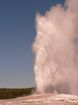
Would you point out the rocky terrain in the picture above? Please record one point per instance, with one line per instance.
(44, 99)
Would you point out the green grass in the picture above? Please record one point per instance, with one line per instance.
(6, 93)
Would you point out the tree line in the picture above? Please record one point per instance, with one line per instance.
(6, 93)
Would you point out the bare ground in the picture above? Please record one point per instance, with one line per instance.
(43, 99)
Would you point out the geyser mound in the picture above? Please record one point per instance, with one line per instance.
(43, 99)
(56, 49)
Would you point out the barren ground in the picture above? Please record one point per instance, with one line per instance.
(44, 99)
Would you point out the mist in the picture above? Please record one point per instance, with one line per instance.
(56, 49)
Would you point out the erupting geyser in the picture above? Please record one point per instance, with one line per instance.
(56, 49)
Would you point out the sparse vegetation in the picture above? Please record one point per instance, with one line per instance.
(6, 93)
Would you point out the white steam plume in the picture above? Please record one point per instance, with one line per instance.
(56, 49)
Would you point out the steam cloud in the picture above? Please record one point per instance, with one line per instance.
(56, 49)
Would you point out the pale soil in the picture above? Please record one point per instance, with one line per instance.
(44, 99)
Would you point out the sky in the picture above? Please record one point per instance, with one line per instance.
(17, 34)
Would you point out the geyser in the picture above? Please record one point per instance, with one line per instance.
(56, 49)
